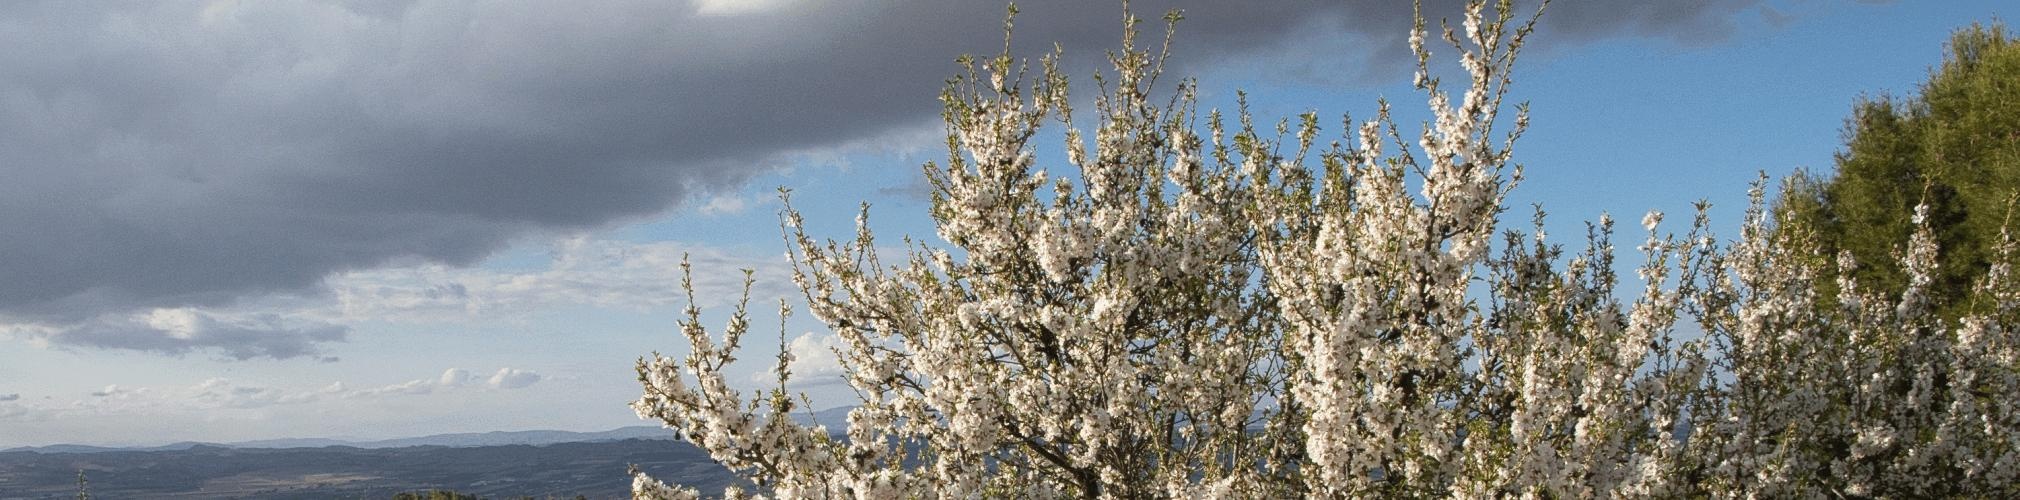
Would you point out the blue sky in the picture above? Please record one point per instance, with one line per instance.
(236, 221)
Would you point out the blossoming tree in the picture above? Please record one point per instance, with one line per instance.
(1237, 311)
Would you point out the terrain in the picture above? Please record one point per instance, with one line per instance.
(564, 470)
(505, 464)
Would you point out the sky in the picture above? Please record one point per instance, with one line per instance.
(237, 220)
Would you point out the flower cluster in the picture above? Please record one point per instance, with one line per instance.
(1230, 312)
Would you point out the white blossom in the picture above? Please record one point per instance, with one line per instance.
(1235, 313)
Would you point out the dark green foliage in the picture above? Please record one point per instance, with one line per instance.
(1955, 146)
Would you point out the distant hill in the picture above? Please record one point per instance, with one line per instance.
(503, 438)
(594, 469)
(836, 419)
(79, 448)
(498, 438)
(493, 464)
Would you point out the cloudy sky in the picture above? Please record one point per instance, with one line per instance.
(234, 220)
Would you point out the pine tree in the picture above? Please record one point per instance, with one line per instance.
(1955, 146)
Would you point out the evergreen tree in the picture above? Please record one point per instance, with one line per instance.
(1955, 146)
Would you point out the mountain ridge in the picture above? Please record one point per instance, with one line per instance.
(836, 420)
(535, 437)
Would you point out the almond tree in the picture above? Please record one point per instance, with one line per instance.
(1194, 309)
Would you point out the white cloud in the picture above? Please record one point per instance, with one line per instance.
(604, 274)
(412, 387)
(583, 272)
(510, 378)
(725, 204)
(224, 410)
(223, 393)
(115, 391)
(813, 363)
(454, 377)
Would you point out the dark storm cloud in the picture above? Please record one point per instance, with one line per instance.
(1689, 22)
(169, 154)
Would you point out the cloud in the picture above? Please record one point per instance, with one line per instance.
(225, 393)
(170, 155)
(599, 273)
(411, 387)
(509, 378)
(1694, 23)
(179, 331)
(454, 377)
(725, 204)
(217, 399)
(115, 391)
(813, 362)
(915, 190)
(738, 7)
(222, 393)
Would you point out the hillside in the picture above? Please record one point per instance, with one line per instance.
(594, 469)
